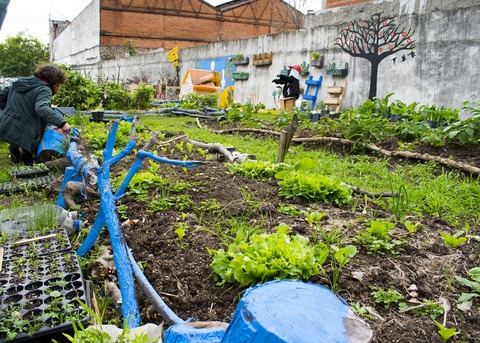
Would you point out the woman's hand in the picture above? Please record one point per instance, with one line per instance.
(65, 128)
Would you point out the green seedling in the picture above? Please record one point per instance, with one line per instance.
(454, 240)
(387, 297)
(181, 230)
(340, 258)
(377, 240)
(444, 332)
(411, 227)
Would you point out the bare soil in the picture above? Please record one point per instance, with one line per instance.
(180, 272)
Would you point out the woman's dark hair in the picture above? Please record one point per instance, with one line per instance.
(52, 74)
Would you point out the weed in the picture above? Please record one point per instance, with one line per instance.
(387, 297)
(361, 310)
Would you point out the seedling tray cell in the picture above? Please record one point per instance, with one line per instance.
(25, 184)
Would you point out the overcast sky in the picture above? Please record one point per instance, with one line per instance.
(31, 16)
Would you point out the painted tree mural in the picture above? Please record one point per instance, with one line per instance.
(375, 39)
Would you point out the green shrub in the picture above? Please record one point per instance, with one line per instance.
(142, 96)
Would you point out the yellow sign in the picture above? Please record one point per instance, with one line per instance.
(173, 57)
(173, 53)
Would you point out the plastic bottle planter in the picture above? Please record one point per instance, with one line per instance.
(22, 172)
(40, 288)
(24, 184)
(332, 70)
(241, 61)
(262, 59)
(240, 76)
(318, 63)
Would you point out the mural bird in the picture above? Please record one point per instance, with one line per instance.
(412, 54)
(404, 58)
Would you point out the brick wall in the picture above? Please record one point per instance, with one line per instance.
(166, 24)
(340, 3)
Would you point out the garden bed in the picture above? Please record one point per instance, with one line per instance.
(174, 224)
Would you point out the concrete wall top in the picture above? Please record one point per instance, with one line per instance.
(81, 39)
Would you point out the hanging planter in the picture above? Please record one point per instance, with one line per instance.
(240, 76)
(240, 60)
(334, 71)
(262, 59)
(316, 60)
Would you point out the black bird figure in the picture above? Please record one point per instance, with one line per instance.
(412, 54)
(394, 59)
(404, 58)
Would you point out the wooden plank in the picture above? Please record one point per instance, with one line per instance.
(332, 101)
(335, 90)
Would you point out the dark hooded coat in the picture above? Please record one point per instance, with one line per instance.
(26, 112)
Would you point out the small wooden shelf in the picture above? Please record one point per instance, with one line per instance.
(335, 96)
(262, 59)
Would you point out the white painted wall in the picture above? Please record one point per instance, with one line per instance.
(444, 72)
(78, 45)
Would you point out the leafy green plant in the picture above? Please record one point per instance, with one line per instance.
(454, 240)
(376, 238)
(444, 332)
(474, 284)
(244, 113)
(289, 209)
(197, 100)
(361, 310)
(340, 258)
(256, 169)
(79, 92)
(295, 182)
(425, 308)
(181, 230)
(142, 96)
(466, 132)
(411, 227)
(387, 297)
(267, 256)
(116, 96)
(129, 47)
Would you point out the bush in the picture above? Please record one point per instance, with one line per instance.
(142, 96)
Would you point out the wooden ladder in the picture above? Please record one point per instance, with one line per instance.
(335, 96)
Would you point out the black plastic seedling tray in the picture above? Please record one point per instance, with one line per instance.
(36, 243)
(40, 288)
(29, 171)
(24, 184)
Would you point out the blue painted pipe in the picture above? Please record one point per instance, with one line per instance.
(167, 314)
